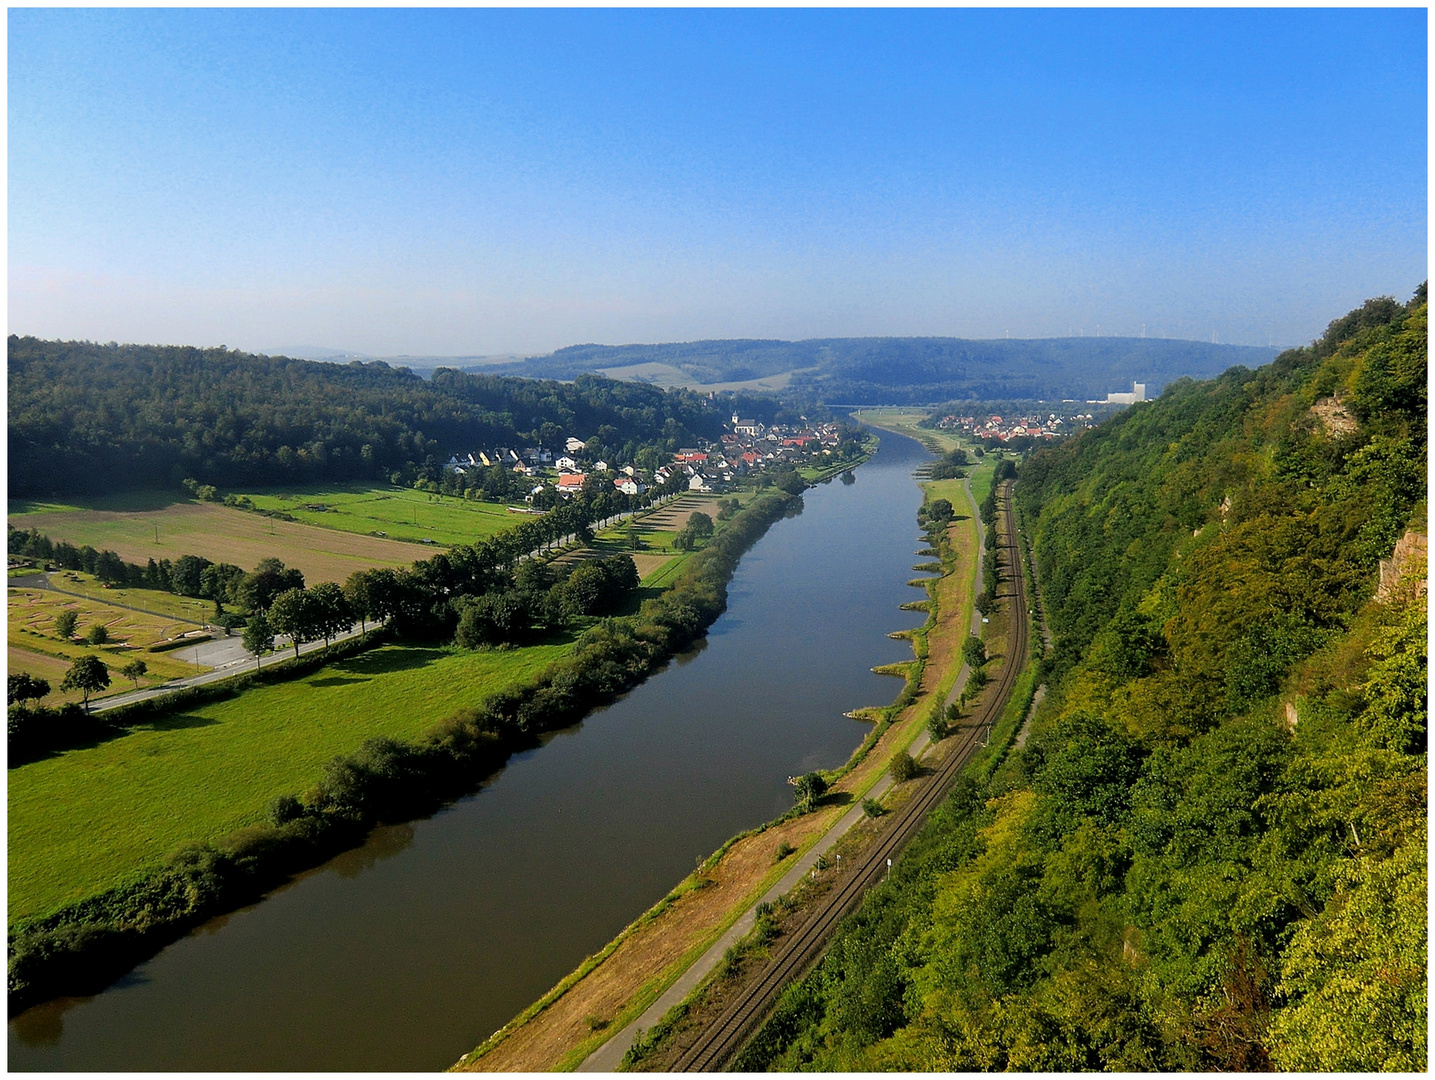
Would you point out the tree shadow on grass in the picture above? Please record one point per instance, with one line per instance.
(384, 661)
(172, 722)
(337, 680)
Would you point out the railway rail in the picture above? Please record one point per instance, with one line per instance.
(720, 1041)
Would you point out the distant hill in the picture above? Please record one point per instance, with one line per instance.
(906, 370)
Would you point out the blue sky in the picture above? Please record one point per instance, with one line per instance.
(460, 182)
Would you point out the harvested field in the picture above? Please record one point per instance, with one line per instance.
(218, 533)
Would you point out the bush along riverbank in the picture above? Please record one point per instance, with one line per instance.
(84, 946)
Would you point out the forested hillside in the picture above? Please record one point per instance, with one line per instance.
(1211, 851)
(918, 370)
(92, 418)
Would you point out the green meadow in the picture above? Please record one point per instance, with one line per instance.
(83, 820)
(399, 513)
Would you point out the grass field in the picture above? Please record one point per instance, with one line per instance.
(189, 608)
(147, 525)
(84, 819)
(400, 513)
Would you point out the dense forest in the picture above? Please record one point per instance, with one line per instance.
(1210, 853)
(88, 418)
(853, 371)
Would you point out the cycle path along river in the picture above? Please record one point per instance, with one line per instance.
(408, 952)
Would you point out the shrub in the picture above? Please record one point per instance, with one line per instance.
(902, 767)
(784, 849)
(974, 651)
(284, 809)
(872, 808)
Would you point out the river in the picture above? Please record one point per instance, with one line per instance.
(407, 953)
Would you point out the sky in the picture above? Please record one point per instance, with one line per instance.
(469, 182)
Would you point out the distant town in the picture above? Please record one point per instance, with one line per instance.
(746, 447)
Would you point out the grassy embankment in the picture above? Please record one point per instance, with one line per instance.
(81, 820)
(614, 986)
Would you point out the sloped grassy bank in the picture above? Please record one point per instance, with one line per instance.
(84, 946)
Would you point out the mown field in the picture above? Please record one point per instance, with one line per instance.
(84, 819)
(399, 513)
(139, 526)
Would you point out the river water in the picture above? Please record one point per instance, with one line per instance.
(407, 953)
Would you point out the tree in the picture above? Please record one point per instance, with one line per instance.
(258, 590)
(135, 670)
(65, 624)
(98, 635)
(700, 525)
(329, 611)
(903, 767)
(22, 687)
(291, 614)
(974, 651)
(808, 789)
(258, 636)
(940, 510)
(88, 674)
(359, 593)
(492, 620)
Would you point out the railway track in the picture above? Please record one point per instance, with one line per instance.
(720, 1041)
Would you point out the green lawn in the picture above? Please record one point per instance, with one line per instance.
(152, 600)
(85, 819)
(400, 513)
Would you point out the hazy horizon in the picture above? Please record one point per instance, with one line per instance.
(507, 183)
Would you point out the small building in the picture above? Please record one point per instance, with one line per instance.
(573, 445)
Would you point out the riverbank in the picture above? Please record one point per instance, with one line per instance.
(612, 990)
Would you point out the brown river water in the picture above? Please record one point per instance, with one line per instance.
(408, 952)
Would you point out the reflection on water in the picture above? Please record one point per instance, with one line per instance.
(408, 952)
(384, 842)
